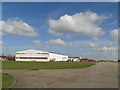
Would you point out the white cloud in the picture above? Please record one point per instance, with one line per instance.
(102, 53)
(104, 49)
(58, 42)
(2, 43)
(102, 43)
(95, 39)
(37, 44)
(114, 35)
(110, 44)
(68, 36)
(17, 27)
(51, 42)
(86, 23)
(93, 45)
(81, 50)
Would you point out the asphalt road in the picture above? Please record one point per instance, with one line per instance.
(101, 75)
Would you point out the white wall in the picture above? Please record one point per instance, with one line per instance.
(58, 57)
(65, 57)
(74, 59)
(32, 55)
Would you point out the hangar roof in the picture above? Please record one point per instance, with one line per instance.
(31, 51)
(36, 51)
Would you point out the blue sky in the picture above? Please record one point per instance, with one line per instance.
(37, 15)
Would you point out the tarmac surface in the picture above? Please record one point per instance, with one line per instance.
(101, 75)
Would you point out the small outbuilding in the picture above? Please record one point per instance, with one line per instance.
(74, 58)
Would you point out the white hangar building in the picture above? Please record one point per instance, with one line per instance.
(36, 55)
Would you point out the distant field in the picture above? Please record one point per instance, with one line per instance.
(44, 65)
(6, 80)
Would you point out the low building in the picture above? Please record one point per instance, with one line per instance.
(36, 55)
(5, 57)
(74, 58)
(1, 59)
(84, 60)
(11, 58)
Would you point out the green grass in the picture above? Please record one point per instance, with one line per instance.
(6, 80)
(44, 65)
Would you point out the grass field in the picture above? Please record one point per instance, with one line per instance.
(44, 65)
(6, 80)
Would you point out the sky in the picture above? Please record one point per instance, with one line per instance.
(82, 29)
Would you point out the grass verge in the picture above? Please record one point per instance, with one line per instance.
(6, 80)
(44, 65)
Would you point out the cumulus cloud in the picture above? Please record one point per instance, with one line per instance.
(93, 45)
(104, 49)
(2, 43)
(68, 36)
(104, 53)
(37, 44)
(102, 43)
(85, 23)
(114, 35)
(17, 27)
(81, 50)
(58, 42)
(94, 39)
